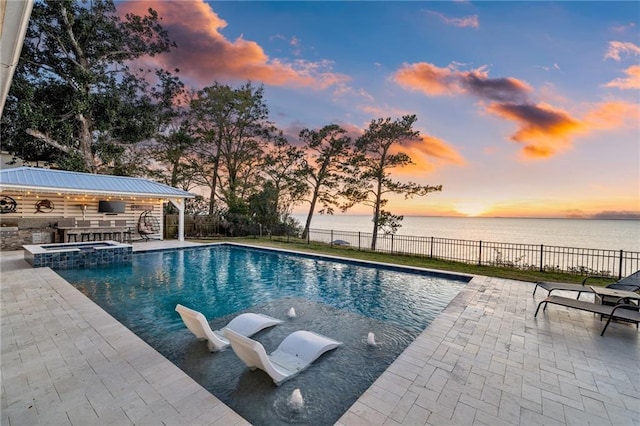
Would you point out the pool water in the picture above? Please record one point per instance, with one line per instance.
(342, 300)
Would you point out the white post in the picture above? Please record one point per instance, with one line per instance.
(179, 203)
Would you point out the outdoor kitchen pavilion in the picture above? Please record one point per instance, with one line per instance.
(32, 200)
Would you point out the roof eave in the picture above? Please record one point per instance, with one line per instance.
(5, 186)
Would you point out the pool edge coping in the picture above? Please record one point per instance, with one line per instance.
(457, 303)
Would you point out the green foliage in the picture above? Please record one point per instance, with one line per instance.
(173, 149)
(73, 93)
(232, 132)
(281, 169)
(369, 178)
(389, 223)
(77, 102)
(328, 149)
(263, 206)
(196, 206)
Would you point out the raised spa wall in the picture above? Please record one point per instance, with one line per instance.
(78, 255)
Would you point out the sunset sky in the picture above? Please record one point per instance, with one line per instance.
(524, 108)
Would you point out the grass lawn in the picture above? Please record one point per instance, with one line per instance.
(418, 261)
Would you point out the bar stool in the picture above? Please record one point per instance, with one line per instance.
(73, 234)
(125, 235)
(106, 234)
(128, 235)
(62, 226)
(85, 233)
(97, 235)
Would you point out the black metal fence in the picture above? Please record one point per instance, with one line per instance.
(580, 261)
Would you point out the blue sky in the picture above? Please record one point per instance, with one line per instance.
(525, 108)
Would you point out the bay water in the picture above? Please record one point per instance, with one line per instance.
(580, 233)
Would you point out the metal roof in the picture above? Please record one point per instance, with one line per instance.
(34, 179)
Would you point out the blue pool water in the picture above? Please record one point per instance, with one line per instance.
(341, 299)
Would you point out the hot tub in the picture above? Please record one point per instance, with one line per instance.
(78, 255)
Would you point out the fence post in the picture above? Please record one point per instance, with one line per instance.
(331, 242)
(309, 237)
(391, 243)
(620, 267)
(480, 254)
(359, 248)
(541, 257)
(431, 249)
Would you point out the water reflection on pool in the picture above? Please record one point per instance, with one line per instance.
(341, 300)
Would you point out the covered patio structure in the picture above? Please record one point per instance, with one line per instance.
(34, 200)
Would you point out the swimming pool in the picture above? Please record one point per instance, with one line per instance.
(341, 299)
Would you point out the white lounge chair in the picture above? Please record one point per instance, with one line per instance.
(296, 352)
(246, 324)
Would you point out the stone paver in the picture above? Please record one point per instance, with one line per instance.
(67, 362)
(484, 361)
(489, 361)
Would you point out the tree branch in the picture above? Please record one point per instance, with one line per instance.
(49, 140)
(72, 38)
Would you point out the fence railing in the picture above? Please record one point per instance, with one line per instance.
(579, 261)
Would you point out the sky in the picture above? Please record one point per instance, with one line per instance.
(525, 109)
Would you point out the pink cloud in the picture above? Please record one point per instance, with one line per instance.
(426, 153)
(617, 48)
(543, 130)
(205, 55)
(434, 80)
(624, 28)
(632, 81)
(467, 21)
(428, 78)
(437, 148)
(613, 115)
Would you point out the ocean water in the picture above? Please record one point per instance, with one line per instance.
(581, 233)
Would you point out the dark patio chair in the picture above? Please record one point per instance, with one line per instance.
(628, 283)
(621, 311)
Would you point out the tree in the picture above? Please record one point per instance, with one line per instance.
(263, 207)
(369, 180)
(328, 150)
(73, 90)
(282, 167)
(233, 130)
(171, 151)
(173, 147)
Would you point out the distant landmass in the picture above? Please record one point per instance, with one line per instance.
(616, 215)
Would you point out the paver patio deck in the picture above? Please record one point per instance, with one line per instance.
(485, 361)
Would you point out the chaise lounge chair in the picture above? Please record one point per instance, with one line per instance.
(629, 283)
(296, 352)
(628, 312)
(246, 324)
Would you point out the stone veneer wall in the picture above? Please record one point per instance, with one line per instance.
(16, 232)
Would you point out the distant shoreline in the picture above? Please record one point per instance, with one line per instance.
(610, 234)
(633, 216)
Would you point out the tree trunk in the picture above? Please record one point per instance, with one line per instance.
(174, 173)
(376, 216)
(85, 143)
(307, 226)
(212, 199)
